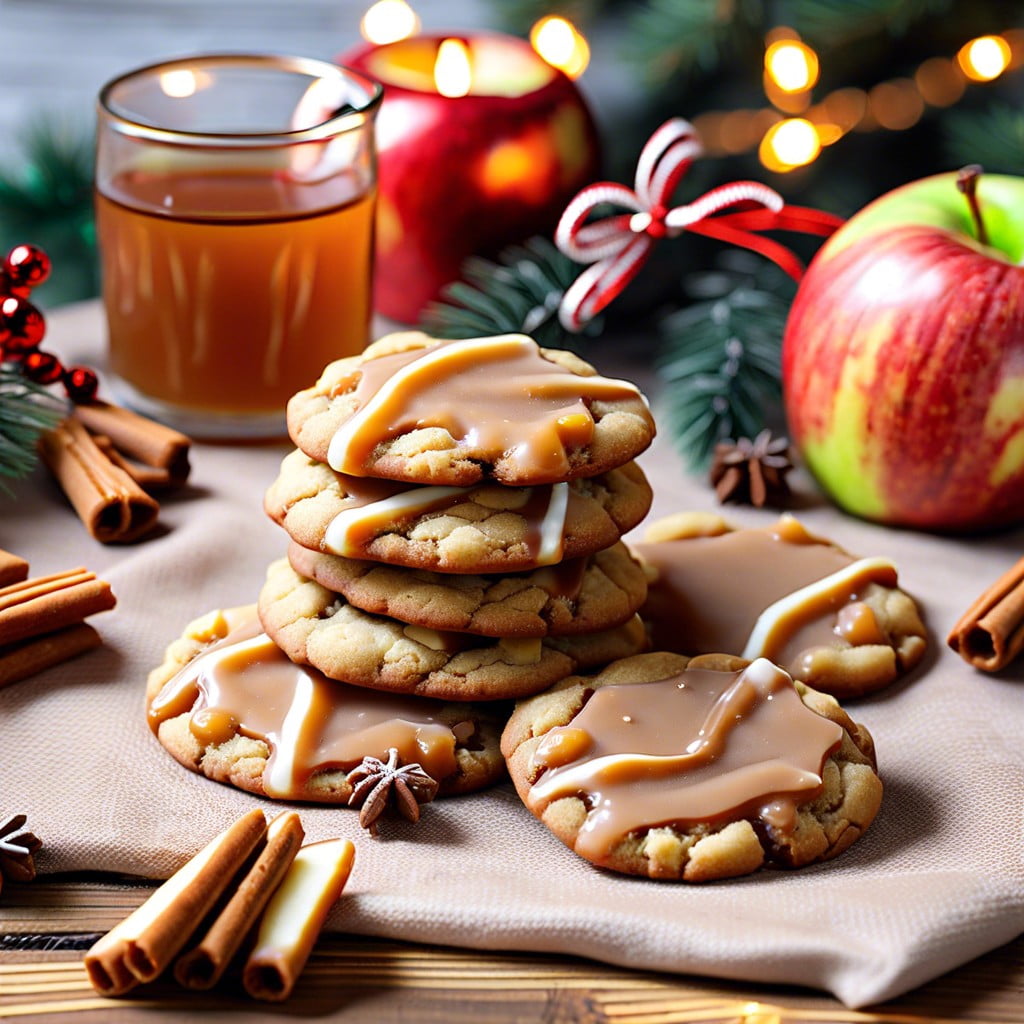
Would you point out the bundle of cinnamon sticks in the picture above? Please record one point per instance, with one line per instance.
(42, 620)
(110, 462)
(251, 884)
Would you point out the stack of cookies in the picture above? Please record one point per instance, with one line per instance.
(455, 510)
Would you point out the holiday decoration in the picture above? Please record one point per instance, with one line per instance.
(903, 357)
(22, 326)
(495, 139)
(618, 245)
(26, 408)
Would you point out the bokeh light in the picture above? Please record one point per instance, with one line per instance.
(559, 42)
(790, 143)
(984, 58)
(387, 21)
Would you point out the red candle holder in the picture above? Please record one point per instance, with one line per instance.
(491, 163)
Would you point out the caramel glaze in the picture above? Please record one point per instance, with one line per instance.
(702, 746)
(709, 593)
(244, 684)
(497, 397)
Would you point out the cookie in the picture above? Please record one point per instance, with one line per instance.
(583, 595)
(227, 704)
(430, 411)
(484, 529)
(315, 626)
(693, 769)
(834, 621)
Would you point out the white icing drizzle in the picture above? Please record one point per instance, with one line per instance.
(552, 529)
(339, 533)
(775, 613)
(337, 537)
(279, 775)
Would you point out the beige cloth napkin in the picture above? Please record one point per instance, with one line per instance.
(937, 880)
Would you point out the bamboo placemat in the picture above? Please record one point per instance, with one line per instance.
(360, 979)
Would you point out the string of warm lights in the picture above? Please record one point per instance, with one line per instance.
(555, 38)
(794, 130)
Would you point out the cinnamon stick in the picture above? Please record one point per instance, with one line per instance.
(295, 916)
(143, 944)
(149, 478)
(19, 661)
(202, 966)
(48, 603)
(145, 440)
(990, 634)
(108, 501)
(12, 568)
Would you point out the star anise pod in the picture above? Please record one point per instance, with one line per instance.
(376, 784)
(17, 845)
(752, 471)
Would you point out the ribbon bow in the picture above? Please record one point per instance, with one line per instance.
(618, 245)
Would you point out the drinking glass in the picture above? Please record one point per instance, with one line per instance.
(235, 203)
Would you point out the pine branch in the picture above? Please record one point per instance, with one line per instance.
(835, 22)
(993, 138)
(719, 364)
(55, 181)
(26, 410)
(680, 39)
(519, 294)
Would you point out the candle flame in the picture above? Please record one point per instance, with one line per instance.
(453, 72)
(388, 21)
(561, 44)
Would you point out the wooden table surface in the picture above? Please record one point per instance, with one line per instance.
(46, 925)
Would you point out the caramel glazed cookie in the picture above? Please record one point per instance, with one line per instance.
(226, 703)
(483, 529)
(693, 770)
(834, 621)
(455, 413)
(316, 626)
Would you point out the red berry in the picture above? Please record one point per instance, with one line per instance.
(42, 367)
(80, 383)
(27, 266)
(22, 326)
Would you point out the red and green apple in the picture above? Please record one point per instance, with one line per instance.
(903, 357)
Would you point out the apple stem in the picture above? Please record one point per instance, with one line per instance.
(967, 183)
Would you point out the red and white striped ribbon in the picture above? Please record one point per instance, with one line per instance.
(617, 246)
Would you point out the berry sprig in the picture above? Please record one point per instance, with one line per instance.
(23, 327)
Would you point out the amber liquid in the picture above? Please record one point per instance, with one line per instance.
(240, 294)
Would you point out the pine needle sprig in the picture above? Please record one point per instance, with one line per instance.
(840, 21)
(54, 181)
(993, 138)
(720, 363)
(670, 40)
(518, 294)
(26, 410)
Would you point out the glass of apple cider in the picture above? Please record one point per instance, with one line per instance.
(235, 206)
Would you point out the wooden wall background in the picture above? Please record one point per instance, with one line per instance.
(55, 54)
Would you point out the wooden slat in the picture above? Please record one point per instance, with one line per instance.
(356, 978)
